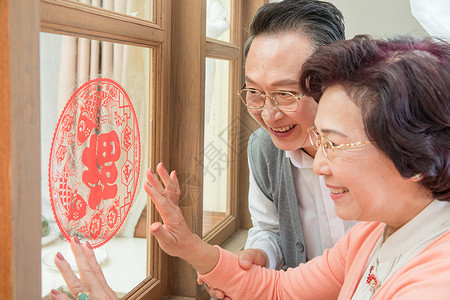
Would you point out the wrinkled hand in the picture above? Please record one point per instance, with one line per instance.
(91, 278)
(247, 258)
(174, 236)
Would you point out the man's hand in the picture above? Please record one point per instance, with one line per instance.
(247, 258)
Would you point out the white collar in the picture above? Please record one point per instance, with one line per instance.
(435, 217)
(300, 159)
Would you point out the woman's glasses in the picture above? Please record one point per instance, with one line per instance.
(328, 147)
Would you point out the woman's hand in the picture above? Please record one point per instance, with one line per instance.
(91, 281)
(174, 236)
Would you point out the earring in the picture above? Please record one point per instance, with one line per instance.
(417, 177)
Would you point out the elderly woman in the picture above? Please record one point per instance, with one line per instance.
(383, 139)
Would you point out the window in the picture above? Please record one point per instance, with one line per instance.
(158, 53)
(83, 80)
(121, 48)
(221, 117)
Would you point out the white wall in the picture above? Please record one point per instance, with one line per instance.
(380, 18)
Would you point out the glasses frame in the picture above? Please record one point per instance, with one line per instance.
(329, 144)
(272, 99)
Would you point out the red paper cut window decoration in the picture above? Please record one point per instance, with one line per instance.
(95, 161)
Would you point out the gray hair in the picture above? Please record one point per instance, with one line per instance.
(320, 21)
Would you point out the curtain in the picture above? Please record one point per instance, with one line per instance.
(433, 16)
(84, 59)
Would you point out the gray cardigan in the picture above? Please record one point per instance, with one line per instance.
(273, 174)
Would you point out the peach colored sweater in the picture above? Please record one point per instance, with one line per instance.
(337, 273)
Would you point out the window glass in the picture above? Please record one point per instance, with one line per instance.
(136, 8)
(94, 151)
(215, 153)
(218, 19)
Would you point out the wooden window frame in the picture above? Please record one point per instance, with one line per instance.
(22, 21)
(74, 18)
(230, 52)
(20, 234)
(189, 52)
(20, 82)
(190, 47)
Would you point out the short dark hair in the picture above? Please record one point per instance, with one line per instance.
(402, 88)
(320, 21)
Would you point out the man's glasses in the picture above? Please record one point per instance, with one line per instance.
(285, 101)
(328, 146)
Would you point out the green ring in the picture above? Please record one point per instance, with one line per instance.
(82, 296)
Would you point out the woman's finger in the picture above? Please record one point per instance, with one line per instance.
(55, 295)
(165, 207)
(90, 255)
(154, 181)
(170, 181)
(162, 171)
(88, 273)
(174, 177)
(176, 187)
(74, 284)
(166, 241)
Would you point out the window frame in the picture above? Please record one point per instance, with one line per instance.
(231, 52)
(19, 53)
(83, 20)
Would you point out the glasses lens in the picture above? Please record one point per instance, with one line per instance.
(314, 138)
(252, 98)
(286, 101)
(328, 149)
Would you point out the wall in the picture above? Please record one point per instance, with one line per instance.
(381, 18)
